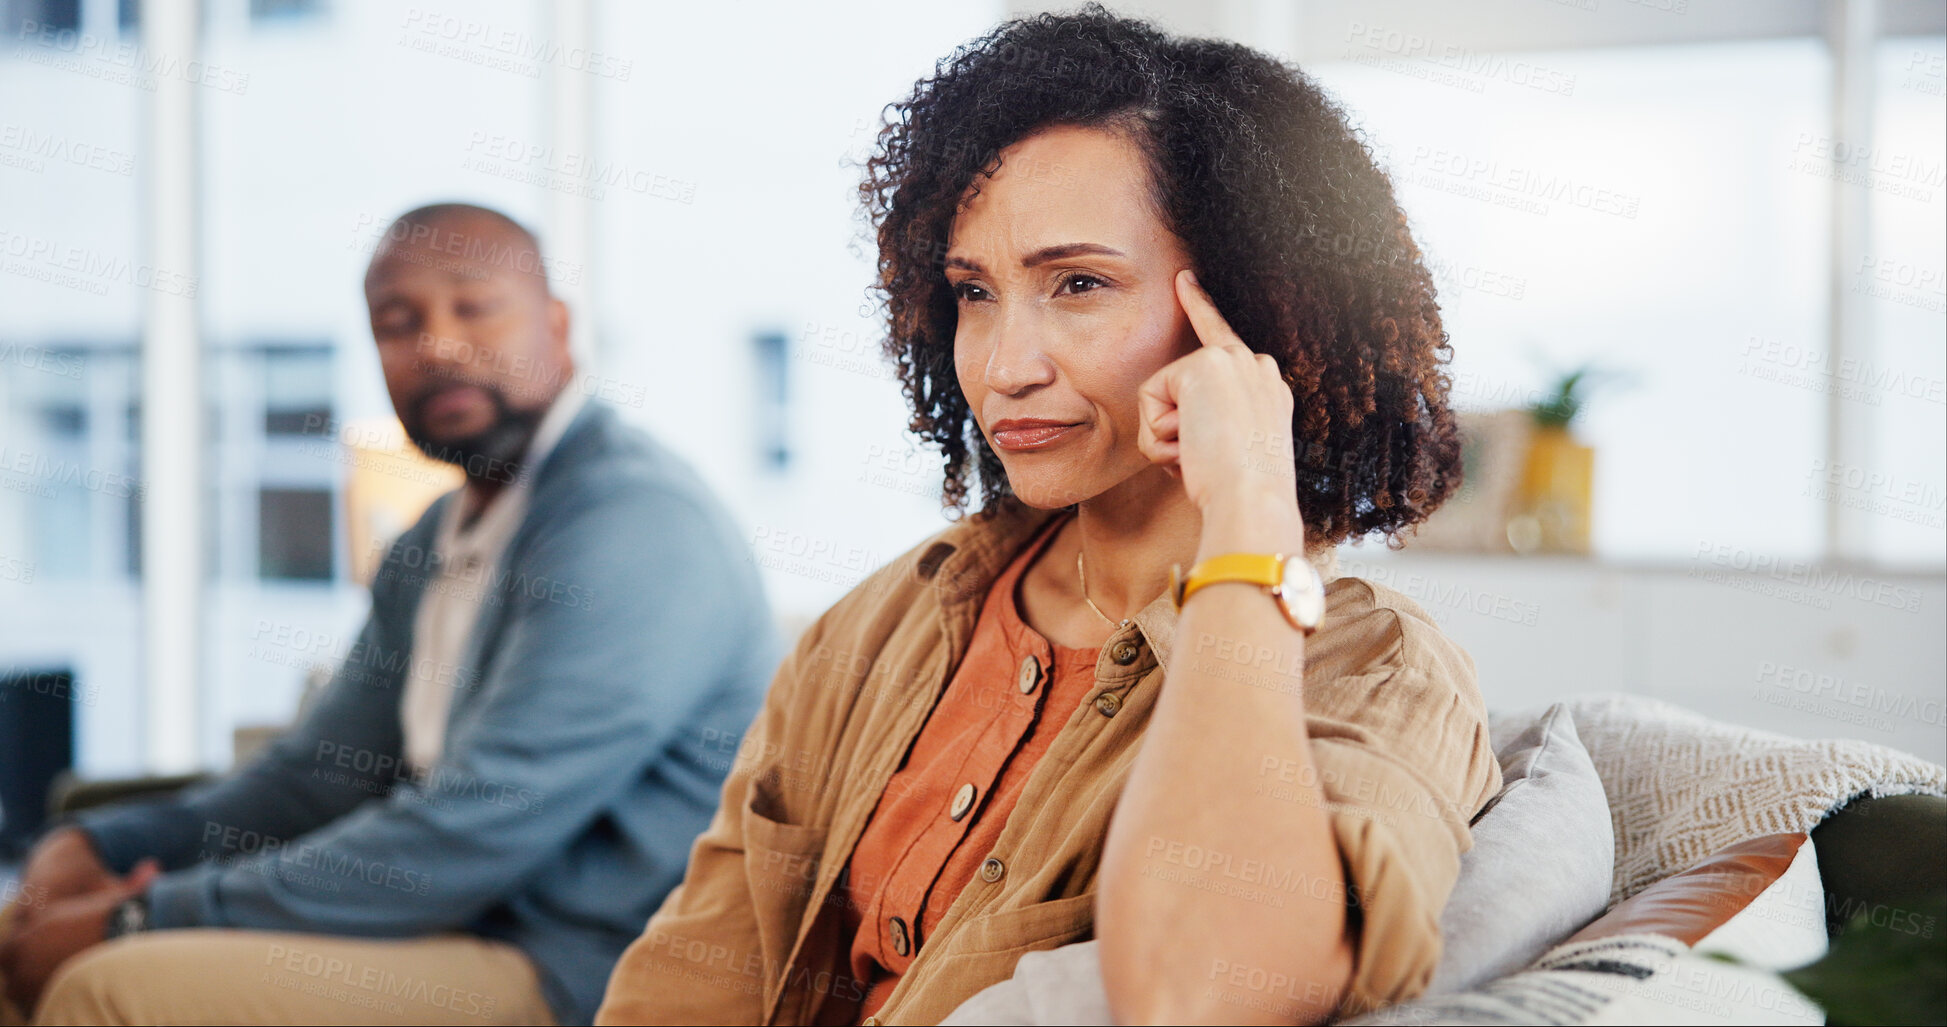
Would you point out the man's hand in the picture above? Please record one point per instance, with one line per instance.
(37, 947)
(63, 866)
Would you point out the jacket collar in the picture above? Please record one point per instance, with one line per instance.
(579, 441)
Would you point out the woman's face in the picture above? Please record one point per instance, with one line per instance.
(1065, 279)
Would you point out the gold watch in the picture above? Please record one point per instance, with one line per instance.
(1292, 581)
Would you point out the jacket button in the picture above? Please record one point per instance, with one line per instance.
(901, 942)
(1108, 703)
(1030, 675)
(1124, 652)
(992, 870)
(962, 801)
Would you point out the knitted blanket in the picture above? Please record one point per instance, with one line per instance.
(1682, 786)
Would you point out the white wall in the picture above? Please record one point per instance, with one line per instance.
(1788, 646)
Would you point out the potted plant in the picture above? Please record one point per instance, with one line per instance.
(1553, 506)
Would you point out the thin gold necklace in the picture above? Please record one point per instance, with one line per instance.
(1082, 574)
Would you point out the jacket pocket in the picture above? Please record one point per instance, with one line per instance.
(1044, 925)
(781, 863)
(984, 951)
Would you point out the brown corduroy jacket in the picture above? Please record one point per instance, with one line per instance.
(1399, 741)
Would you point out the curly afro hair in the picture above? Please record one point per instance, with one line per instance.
(1288, 222)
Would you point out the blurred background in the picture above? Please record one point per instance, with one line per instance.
(1690, 253)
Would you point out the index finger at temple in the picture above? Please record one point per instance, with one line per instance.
(1205, 320)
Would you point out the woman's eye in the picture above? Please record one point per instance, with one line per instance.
(1076, 284)
(968, 292)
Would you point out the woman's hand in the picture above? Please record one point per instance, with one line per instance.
(1221, 418)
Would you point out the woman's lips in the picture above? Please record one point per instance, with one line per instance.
(1022, 434)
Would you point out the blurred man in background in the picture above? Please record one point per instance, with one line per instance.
(504, 778)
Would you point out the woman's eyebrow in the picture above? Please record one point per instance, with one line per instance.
(1042, 255)
(1070, 249)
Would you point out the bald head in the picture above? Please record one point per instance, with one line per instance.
(461, 239)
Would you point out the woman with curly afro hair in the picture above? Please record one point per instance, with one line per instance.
(1161, 313)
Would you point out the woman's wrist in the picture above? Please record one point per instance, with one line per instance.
(1252, 521)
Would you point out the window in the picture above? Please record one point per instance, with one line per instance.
(1903, 387)
(274, 461)
(294, 541)
(69, 471)
(1627, 224)
(270, 10)
(28, 18)
(297, 390)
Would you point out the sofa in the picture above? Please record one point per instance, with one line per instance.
(1641, 864)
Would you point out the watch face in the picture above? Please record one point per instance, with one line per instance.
(130, 917)
(1302, 593)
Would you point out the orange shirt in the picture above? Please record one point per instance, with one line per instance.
(944, 809)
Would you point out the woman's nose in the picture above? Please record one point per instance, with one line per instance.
(1017, 361)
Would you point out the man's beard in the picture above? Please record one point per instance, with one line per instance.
(493, 453)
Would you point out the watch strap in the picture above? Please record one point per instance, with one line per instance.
(1265, 569)
(1303, 606)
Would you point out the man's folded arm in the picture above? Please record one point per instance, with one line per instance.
(321, 769)
(604, 659)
